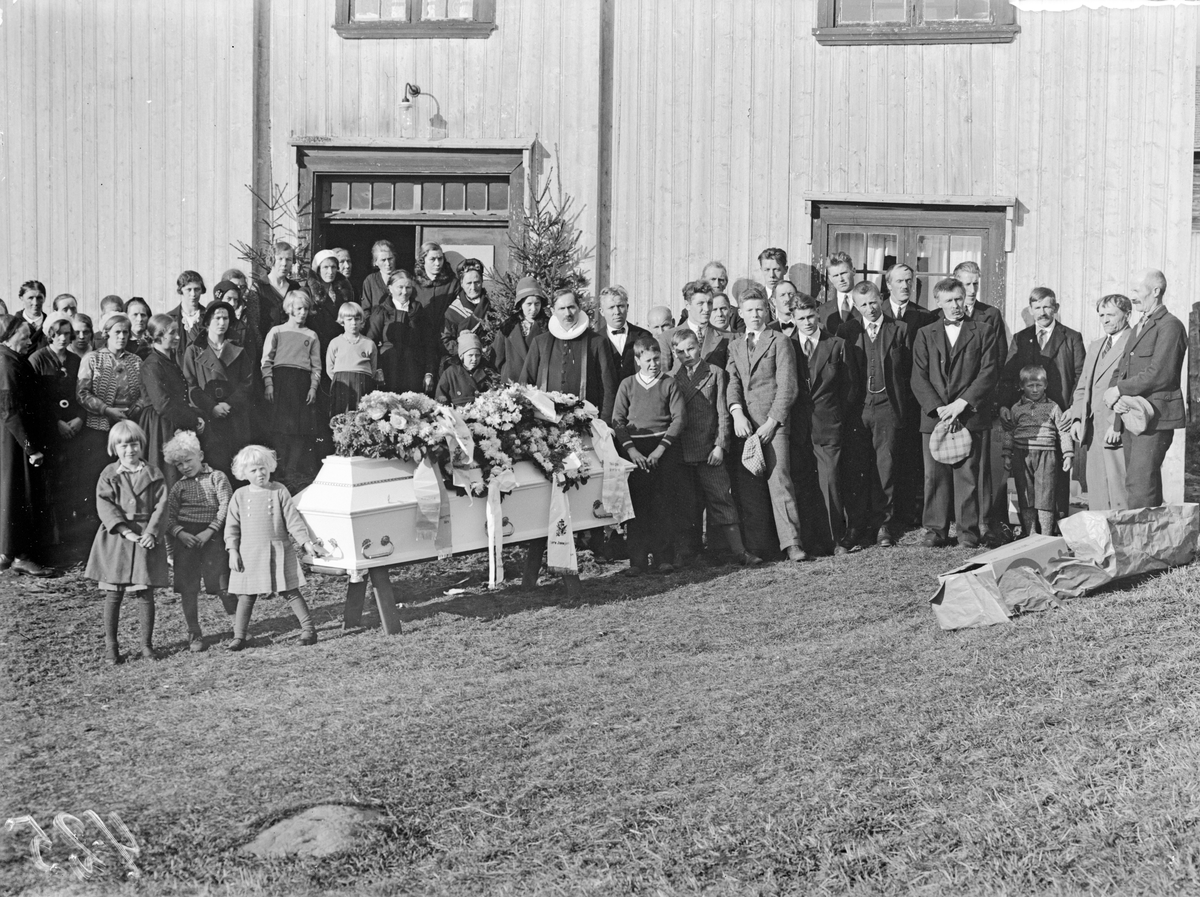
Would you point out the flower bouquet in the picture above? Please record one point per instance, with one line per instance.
(519, 423)
(408, 426)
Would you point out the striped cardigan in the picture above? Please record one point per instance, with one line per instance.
(103, 376)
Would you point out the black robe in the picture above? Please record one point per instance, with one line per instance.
(581, 366)
(24, 515)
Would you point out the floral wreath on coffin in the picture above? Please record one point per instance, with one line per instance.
(496, 430)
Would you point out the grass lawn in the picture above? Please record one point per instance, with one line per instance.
(796, 729)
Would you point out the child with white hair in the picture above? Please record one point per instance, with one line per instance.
(259, 529)
(196, 509)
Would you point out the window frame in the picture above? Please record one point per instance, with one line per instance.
(415, 29)
(991, 217)
(1003, 28)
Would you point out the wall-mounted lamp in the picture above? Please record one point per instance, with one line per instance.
(408, 112)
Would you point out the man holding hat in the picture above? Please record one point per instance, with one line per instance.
(955, 369)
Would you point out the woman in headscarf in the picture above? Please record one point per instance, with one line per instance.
(58, 369)
(220, 375)
(468, 313)
(329, 289)
(524, 325)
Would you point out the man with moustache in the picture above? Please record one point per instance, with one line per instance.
(620, 335)
(1060, 351)
(879, 352)
(714, 343)
(910, 465)
(993, 484)
(838, 307)
(1151, 368)
(953, 378)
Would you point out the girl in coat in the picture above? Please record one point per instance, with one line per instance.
(167, 408)
(259, 532)
(128, 553)
(517, 334)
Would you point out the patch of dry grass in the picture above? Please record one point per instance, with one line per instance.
(793, 729)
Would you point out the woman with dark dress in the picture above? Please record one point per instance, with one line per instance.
(511, 343)
(273, 288)
(138, 310)
(220, 376)
(166, 390)
(58, 369)
(407, 354)
(23, 445)
(436, 284)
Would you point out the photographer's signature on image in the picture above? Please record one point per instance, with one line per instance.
(71, 830)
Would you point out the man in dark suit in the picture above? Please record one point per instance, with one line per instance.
(993, 483)
(619, 335)
(1060, 351)
(714, 343)
(910, 467)
(1150, 368)
(762, 389)
(837, 305)
(879, 352)
(953, 377)
(826, 392)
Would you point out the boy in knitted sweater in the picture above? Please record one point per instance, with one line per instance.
(1038, 449)
(648, 419)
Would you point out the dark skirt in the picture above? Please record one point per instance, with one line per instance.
(291, 413)
(347, 390)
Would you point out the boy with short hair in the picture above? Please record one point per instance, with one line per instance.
(648, 419)
(1038, 449)
(703, 480)
(460, 383)
(196, 510)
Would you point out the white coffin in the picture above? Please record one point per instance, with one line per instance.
(365, 515)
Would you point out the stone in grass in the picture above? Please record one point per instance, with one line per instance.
(317, 832)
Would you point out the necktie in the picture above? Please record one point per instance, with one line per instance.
(1107, 346)
(1043, 335)
(700, 334)
(872, 330)
(808, 348)
(618, 331)
(750, 338)
(845, 304)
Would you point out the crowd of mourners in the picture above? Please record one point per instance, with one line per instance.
(762, 425)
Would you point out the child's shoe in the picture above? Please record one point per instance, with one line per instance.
(115, 657)
(196, 644)
(237, 644)
(148, 653)
(308, 637)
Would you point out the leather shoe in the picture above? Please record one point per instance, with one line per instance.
(933, 540)
(5, 561)
(840, 550)
(968, 542)
(308, 637)
(798, 554)
(885, 540)
(30, 568)
(237, 644)
(746, 559)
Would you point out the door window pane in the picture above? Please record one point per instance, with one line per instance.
(455, 10)
(965, 249)
(477, 197)
(381, 196)
(364, 10)
(360, 196)
(881, 255)
(431, 196)
(933, 253)
(456, 197)
(853, 243)
(498, 196)
(404, 193)
(339, 198)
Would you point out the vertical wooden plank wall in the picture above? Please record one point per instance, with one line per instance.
(1087, 119)
(125, 144)
(537, 75)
